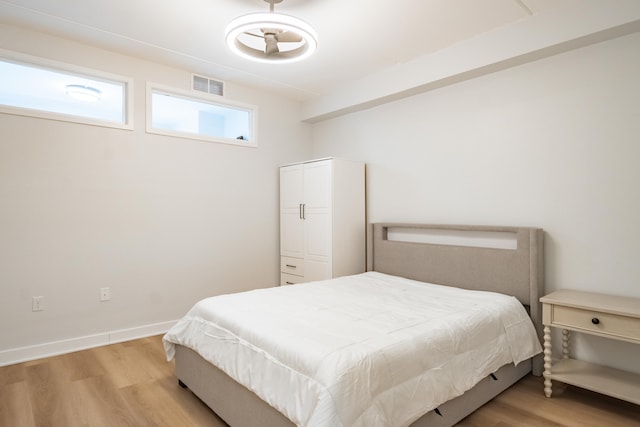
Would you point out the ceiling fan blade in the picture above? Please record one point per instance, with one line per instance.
(254, 35)
(271, 44)
(288, 36)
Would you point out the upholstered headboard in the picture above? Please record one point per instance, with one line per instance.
(508, 260)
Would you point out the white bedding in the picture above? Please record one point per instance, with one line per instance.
(363, 350)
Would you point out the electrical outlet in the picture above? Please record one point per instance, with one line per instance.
(105, 294)
(37, 304)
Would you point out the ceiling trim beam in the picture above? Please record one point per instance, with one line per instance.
(539, 36)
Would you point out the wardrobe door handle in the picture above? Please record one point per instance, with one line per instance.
(300, 210)
(303, 211)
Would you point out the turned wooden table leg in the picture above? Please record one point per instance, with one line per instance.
(565, 344)
(547, 361)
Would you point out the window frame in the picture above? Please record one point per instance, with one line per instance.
(216, 100)
(72, 70)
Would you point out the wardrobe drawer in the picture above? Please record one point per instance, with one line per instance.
(291, 265)
(600, 323)
(290, 279)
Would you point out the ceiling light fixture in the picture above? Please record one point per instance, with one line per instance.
(83, 93)
(271, 37)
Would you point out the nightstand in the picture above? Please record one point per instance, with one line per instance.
(608, 316)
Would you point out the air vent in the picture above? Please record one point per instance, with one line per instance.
(205, 84)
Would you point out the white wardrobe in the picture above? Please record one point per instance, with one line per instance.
(322, 220)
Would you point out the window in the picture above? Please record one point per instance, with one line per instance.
(203, 117)
(51, 90)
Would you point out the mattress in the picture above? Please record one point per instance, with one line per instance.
(369, 349)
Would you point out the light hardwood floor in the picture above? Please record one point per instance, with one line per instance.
(131, 384)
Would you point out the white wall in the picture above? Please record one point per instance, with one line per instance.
(552, 144)
(161, 221)
(165, 221)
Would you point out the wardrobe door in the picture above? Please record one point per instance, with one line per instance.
(317, 212)
(291, 224)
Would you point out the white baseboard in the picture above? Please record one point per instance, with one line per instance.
(54, 348)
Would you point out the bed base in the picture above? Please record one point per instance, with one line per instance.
(518, 272)
(238, 406)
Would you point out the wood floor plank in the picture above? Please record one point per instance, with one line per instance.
(153, 353)
(160, 408)
(525, 404)
(12, 374)
(80, 365)
(47, 394)
(15, 405)
(99, 403)
(132, 384)
(500, 412)
(122, 364)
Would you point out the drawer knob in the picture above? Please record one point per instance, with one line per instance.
(595, 321)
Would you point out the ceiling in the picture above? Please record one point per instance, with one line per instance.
(356, 37)
(369, 51)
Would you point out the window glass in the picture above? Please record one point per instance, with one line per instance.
(201, 117)
(44, 91)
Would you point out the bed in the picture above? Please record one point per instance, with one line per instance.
(503, 260)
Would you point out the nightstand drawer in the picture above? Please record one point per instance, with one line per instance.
(293, 266)
(600, 323)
